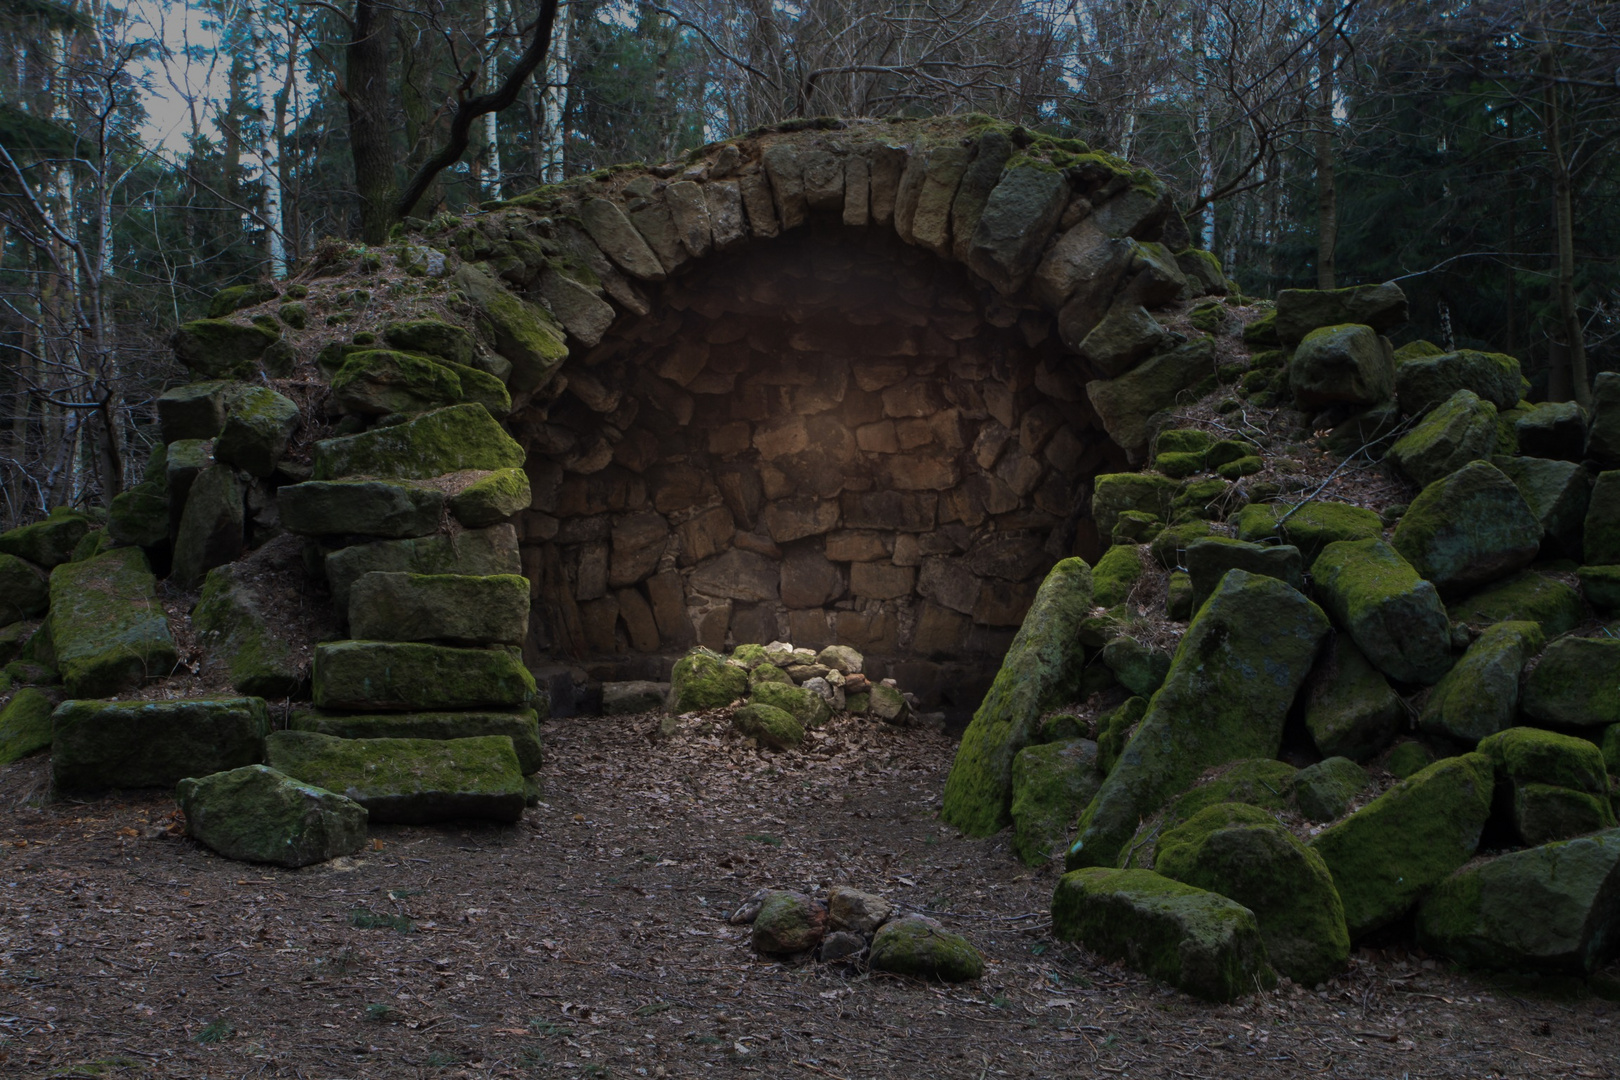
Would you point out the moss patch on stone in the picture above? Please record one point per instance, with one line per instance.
(703, 680)
(401, 676)
(807, 707)
(109, 631)
(771, 726)
(1051, 784)
(522, 727)
(453, 439)
(256, 814)
(133, 744)
(491, 499)
(25, 724)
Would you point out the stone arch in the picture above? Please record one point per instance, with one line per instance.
(840, 384)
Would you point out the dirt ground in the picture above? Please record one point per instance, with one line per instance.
(590, 940)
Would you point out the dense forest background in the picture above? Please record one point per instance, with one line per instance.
(155, 151)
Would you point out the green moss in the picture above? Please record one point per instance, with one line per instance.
(1538, 598)
(770, 673)
(1545, 812)
(1324, 791)
(220, 349)
(1198, 500)
(130, 744)
(1525, 755)
(522, 727)
(1260, 782)
(1115, 574)
(1170, 546)
(1391, 613)
(524, 333)
(703, 680)
(1409, 758)
(1115, 493)
(232, 625)
(1262, 331)
(807, 707)
(1114, 730)
(25, 724)
(256, 814)
(491, 499)
(46, 543)
(453, 439)
(768, 724)
(750, 656)
(236, 297)
(109, 631)
(1178, 596)
(1573, 685)
(1479, 697)
(921, 948)
(407, 676)
(1136, 527)
(1051, 784)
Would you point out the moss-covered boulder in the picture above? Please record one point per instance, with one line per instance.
(1425, 382)
(1480, 696)
(1210, 558)
(788, 923)
(704, 680)
(1324, 791)
(1051, 784)
(1468, 528)
(1230, 687)
(1242, 853)
(47, 543)
(1600, 585)
(1543, 813)
(256, 814)
(109, 632)
(25, 724)
(1299, 311)
(25, 591)
(477, 551)
(1126, 404)
(1386, 855)
(1526, 755)
(1557, 493)
(443, 441)
(1552, 429)
(1116, 574)
(14, 637)
(1350, 711)
(235, 297)
(1573, 685)
(1460, 430)
(1529, 597)
(1197, 941)
(1261, 782)
(1394, 617)
(1603, 432)
(491, 499)
(140, 516)
(258, 425)
(376, 382)
(524, 333)
(807, 707)
(1347, 363)
(1181, 452)
(408, 781)
(1041, 671)
(1170, 545)
(1601, 530)
(211, 529)
(398, 676)
(233, 626)
(1116, 493)
(1309, 526)
(1140, 668)
(193, 411)
(1548, 909)
(365, 507)
(457, 609)
(920, 947)
(521, 726)
(221, 349)
(768, 725)
(435, 338)
(133, 744)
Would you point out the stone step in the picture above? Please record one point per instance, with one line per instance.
(408, 781)
(493, 550)
(443, 441)
(393, 676)
(458, 608)
(134, 744)
(522, 727)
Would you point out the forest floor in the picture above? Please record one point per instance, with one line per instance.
(590, 940)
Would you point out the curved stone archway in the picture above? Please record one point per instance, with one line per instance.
(832, 385)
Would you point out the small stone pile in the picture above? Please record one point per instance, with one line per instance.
(852, 926)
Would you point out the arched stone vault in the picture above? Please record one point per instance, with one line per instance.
(827, 385)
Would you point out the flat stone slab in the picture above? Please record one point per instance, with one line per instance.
(365, 507)
(522, 727)
(408, 781)
(477, 551)
(634, 696)
(391, 676)
(109, 630)
(461, 608)
(134, 744)
(256, 814)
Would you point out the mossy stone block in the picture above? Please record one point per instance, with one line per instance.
(212, 526)
(457, 609)
(408, 781)
(1558, 494)
(524, 333)
(1324, 791)
(1460, 430)
(1386, 855)
(1480, 696)
(703, 680)
(923, 949)
(1601, 587)
(447, 440)
(1115, 493)
(259, 422)
(140, 516)
(1207, 560)
(1526, 755)
(134, 744)
(1350, 711)
(1601, 532)
(235, 297)
(1134, 527)
(47, 543)
(1178, 596)
(1261, 782)
(809, 708)
(25, 591)
(435, 338)
(1409, 758)
(360, 507)
(1040, 672)
(1348, 363)
(1552, 429)
(477, 551)
(491, 499)
(376, 382)
(1603, 432)
(1197, 941)
(233, 625)
(109, 632)
(1139, 668)
(521, 726)
(1393, 615)
(1116, 574)
(1421, 383)
(771, 726)
(1299, 311)
(255, 814)
(221, 349)
(193, 411)
(1169, 548)
(1573, 685)
(1051, 783)
(1114, 730)
(399, 676)
(1543, 813)
(1528, 597)
(25, 724)
(1468, 528)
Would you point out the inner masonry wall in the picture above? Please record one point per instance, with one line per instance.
(832, 438)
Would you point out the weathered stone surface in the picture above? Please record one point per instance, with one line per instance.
(1118, 493)
(1013, 228)
(1459, 430)
(1231, 683)
(738, 575)
(1601, 545)
(1468, 528)
(1573, 684)
(619, 240)
(1345, 363)
(432, 337)
(1079, 276)
(458, 609)
(1197, 941)
(193, 411)
(638, 543)
(408, 781)
(1051, 784)
(367, 507)
(132, 744)
(47, 543)
(25, 724)
(632, 697)
(1125, 404)
(1557, 493)
(255, 814)
(800, 516)
(107, 627)
(211, 526)
(454, 439)
(1139, 668)
(856, 911)
(376, 382)
(1244, 854)
(1040, 671)
(521, 726)
(1126, 336)
(1386, 855)
(221, 349)
(1324, 791)
(929, 223)
(809, 579)
(395, 676)
(881, 580)
(1480, 696)
(1601, 587)
(920, 947)
(702, 680)
(805, 706)
(525, 334)
(787, 923)
(476, 551)
(1350, 710)
(1529, 596)
(25, 591)
(1393, 615)
(1299, 311)
(1603, 434)
(233, 624)
(1552, 429)
(767, 724)
(1423, 383)
(138, 516)
(584, 314)
(1261, 782)
(1207, 560)
(1549, 909)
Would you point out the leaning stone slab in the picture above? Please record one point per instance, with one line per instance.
(134, 744)
(25, 724)
(1231, 684)
(1209, 559)
(1394, 616)
(1299, 311)
(364, 507)
(1459, 430)
(398, 676)
(1051, 784)
(1350, 710)
(231, 619)
(408, 781)
(525, 333)
(258, 424)
(255, 814)
(1480, 696)
(109, 631)
(1558, 493)
(1468, 528)
(521, 726)
(1550, 909)
(1041, 670)
(459, 609)
(482, 551)
(922, 948)
(1197, 941)
(1125, 404)
(46, 543)
(443, 441)
(1386, 855)
(1574, 684)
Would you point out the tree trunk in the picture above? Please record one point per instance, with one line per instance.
(1564, 225)
(554, 101)
(492, 143)
(1327, 195)
(369, 95)
(269, 148)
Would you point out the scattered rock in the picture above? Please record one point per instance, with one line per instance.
(922, 948)
(1350, 710)
(1425, 382)
(1468, 528)
(1480, 696)
(855, 911)
(1394, 617)
(47, 543)
(1051, 783)
(788, 923)
(771, 726)
(1526, 597)
(1460, 430)
(1299, 311)
(1573, 684)
(703, 680)
(1324, 791)
(256, 814)
(25, 724)
(1344, 363)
